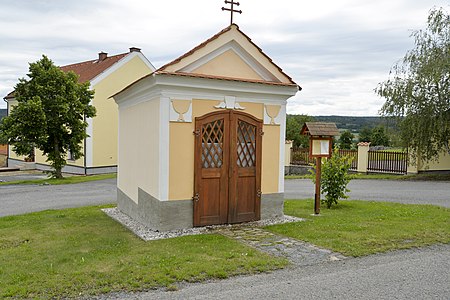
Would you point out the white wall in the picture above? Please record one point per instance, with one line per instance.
(139, 149)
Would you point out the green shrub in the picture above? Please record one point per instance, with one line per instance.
(335, 177)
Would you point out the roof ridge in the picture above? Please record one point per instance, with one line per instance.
(93, 60)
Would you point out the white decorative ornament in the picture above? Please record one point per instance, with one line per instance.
(221, 105)
(238, 106)
(181, 111)
(272, 111)
(229, 103)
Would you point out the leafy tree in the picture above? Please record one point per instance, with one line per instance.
(365, 135)
(3, 139)
(294, 124)
(379, 136)
(50, 114)
(346, 140)
(418, 89)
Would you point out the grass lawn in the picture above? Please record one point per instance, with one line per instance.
(82, 252)
(73, 252)
(65, 180)
(356, 228)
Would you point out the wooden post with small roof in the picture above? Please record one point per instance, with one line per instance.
(320, 145)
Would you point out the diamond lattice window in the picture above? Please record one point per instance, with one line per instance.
(246, 145)
(212, 144)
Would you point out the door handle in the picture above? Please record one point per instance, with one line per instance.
(196, 197)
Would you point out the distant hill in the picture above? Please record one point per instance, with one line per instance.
(354, 124)
(3, 112)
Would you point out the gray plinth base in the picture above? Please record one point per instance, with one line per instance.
(178, 214)
(70, 169)
(272, 206)
(155, 214)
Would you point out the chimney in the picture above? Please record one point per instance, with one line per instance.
(135, 49)
(102, 56)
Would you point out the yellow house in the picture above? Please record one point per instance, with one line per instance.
(107, 75)
(202, 139)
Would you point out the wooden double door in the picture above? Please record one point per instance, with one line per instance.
(227, 180)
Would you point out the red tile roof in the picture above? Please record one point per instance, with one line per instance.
(182, 74)
(225, 78)
(87, 70)
(10, 95)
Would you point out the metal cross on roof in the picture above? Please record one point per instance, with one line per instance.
(231, 10)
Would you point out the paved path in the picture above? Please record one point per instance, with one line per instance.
(298, 252)
(409, 274)
(413, 192)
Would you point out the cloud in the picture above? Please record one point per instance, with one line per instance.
(336, 50)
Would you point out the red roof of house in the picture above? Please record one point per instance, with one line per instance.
(9, 96)
(90, 69)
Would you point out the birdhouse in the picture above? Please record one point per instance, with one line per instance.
(320, 137)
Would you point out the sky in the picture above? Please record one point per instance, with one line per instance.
(336, 50)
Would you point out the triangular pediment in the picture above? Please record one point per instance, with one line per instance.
(229, 54)
(226, 64)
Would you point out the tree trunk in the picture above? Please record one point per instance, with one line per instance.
(57, 165)
(58, 173)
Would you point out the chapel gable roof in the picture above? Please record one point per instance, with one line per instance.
(213, 57)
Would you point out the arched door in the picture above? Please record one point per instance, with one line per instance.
(227, 180)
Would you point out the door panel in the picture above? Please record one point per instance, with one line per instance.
(246, 157)
(227, 168)
(211, 170)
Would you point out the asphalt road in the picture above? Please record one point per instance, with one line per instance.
(19, 199)
(409, 274)
(412, 192)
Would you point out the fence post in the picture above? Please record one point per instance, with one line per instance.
(363, 157)
(413, 166)
(288, 153)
